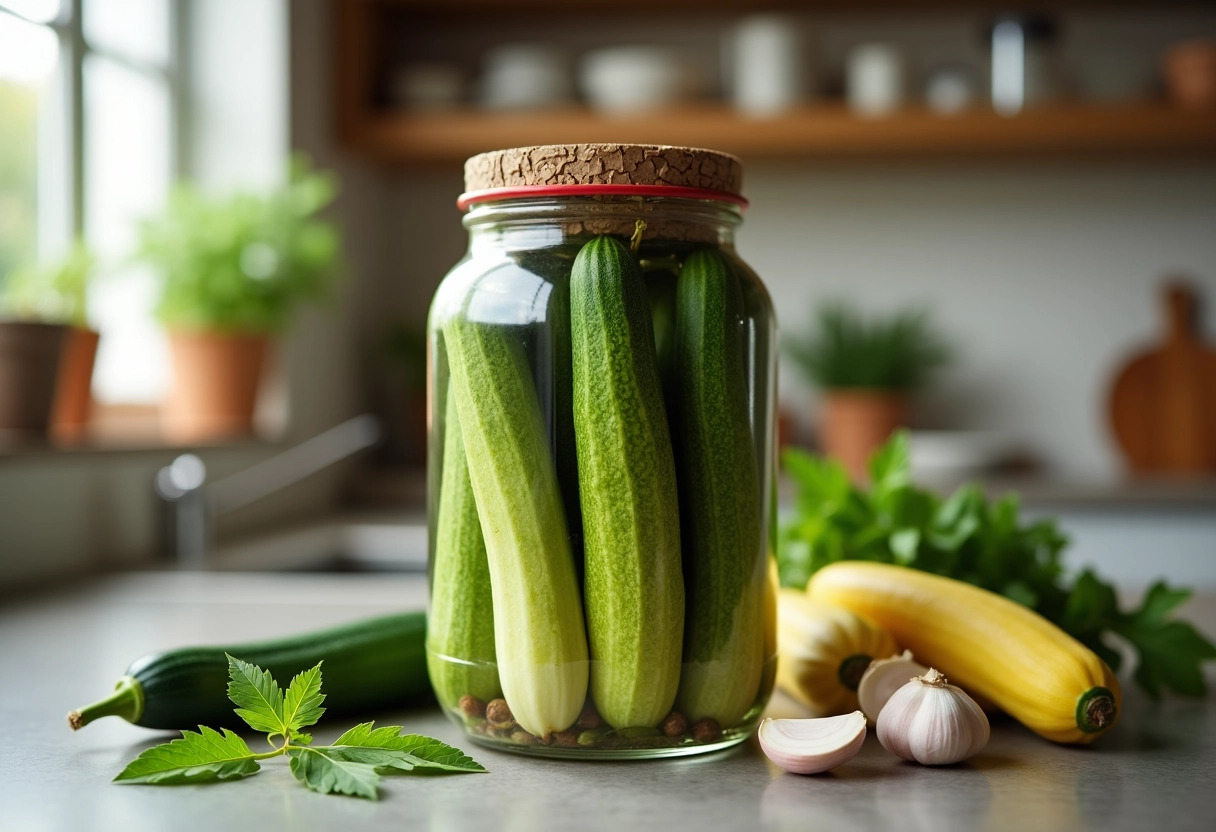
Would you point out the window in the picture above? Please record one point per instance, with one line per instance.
(89, 100)
(32, 133)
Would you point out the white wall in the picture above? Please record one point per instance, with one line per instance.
(1045, 275)
(238, 109)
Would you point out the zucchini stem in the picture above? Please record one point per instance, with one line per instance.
(1096, 709)
(635, 242)
(127, 701)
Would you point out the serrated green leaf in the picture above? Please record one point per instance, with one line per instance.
(1021, 592)
(385, 760)
(821, 480)
(323, 772)
(1171, 653)
(794, 563)
(302, 702)
(890, 467)
(257, 697)
(425, 751)
(1091, 604)
(1159, 602)
(201, 757)
(904, 544)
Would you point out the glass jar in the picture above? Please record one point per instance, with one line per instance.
(601, 473)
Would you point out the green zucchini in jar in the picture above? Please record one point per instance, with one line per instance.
(719, 498)
(633, 586)
(540, 642)
(460, 627)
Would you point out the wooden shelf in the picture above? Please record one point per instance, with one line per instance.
(817, 131)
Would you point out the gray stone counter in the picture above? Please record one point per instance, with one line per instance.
(1157, 770)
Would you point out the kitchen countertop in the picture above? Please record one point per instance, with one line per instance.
(63, 649)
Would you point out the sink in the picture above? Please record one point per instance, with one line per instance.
(360, 544)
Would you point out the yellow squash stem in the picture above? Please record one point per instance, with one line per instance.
(984, 643)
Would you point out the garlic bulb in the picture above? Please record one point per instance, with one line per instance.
(932, 722)
(882, 678)
(823, 651)
(809, 746)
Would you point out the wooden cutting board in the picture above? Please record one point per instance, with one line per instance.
(1163, 403)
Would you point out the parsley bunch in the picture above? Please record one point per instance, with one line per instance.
(352, 765)
(966, 537)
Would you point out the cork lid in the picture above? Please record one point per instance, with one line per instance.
(605, 164)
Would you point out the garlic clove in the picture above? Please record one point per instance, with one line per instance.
(882, 678)
(932, 722)
(810, 746)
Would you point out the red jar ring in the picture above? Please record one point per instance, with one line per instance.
(470, 198)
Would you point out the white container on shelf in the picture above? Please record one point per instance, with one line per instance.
(629, 79)
(950, 89)
(769, 67)
(876, 79)
(1025, 63)
(521, 76)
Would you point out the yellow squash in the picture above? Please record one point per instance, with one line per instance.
(985, 643)
(823, 650)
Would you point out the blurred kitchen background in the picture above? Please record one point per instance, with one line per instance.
(1029, 181)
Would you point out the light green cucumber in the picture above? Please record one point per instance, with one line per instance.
(720, 498)
(538, 618)
(460, 627)
(633, 585)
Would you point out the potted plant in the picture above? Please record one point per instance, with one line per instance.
(868, 370)
(233, 271)
(49, 347)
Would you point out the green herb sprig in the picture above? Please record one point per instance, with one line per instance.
(967, 537)
(351, 766)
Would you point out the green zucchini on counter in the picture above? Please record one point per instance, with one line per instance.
(633, 586)
(719, 498)
(540, 641)
(370, 664)
(460, 635)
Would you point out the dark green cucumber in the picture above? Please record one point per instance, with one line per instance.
(633, 586)
(371, 664)
(460, 628)
(661, 291)
(720, 498)
(540, 641)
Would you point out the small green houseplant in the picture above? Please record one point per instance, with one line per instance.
(49, 346)
(868, 369)
(234, 270)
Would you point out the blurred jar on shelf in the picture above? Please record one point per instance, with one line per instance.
(875, 79)
(769, 66)
(1026, 68)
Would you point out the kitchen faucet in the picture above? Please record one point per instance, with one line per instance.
(195, 503)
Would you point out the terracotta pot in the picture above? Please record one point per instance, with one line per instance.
(73, 391)
(29, 365)
(857, 422)
(215, 385)
(1189, 69)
